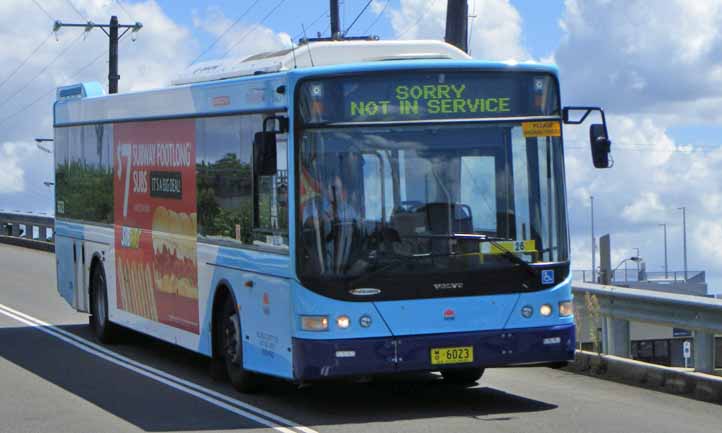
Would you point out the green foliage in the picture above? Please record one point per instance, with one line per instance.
(224, 191)
(86, 192)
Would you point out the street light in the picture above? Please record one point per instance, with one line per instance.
(666, 269)
(635, 259)
(684, 238)
(43, 140)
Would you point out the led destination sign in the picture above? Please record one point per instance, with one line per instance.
(422, 96)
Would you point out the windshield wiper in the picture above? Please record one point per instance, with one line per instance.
(493, 240)
(399, 259)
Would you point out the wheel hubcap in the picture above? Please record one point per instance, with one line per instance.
(231, 340)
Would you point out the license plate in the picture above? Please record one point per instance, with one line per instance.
(452, 355)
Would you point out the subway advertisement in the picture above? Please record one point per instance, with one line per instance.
(154, 191)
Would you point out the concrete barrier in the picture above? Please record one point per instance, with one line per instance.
(28, 243)
(674, 381)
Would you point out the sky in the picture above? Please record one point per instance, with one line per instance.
(655, 66)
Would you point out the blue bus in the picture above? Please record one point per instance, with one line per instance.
(339, 209)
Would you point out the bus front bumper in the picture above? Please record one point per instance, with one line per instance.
(321, 359)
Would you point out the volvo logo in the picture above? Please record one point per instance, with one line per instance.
(364, 291)
(448, 286)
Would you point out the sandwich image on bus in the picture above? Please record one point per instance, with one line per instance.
(343, 209)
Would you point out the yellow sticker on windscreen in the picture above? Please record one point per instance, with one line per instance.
(541, 129)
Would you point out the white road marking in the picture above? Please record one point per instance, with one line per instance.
(223, 401)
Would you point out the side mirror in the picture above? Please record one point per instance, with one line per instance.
(264, 154)
(600, 144)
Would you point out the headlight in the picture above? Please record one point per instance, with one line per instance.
(343, 322)
(314, 323)
(566, 309)
(545, 310)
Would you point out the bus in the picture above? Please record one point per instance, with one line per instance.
(340, 209)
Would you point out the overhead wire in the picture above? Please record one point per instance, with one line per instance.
(77, 11)
(52, 90)
(224, 32)
(42, 71)
(323, 14)
(416, 23)
(20, 66)
(45, 11)
(378, 17)
(368, 3)
(120, 4)
(250, 30)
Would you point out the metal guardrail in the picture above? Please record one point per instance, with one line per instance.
(623, 276)
(19, 229)
(620, 305)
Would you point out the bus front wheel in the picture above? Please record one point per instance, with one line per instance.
(231, 336)
(463, 376)
(103, 329)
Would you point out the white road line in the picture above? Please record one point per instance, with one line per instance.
(223, 401)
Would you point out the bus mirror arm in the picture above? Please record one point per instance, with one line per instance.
(598, 136)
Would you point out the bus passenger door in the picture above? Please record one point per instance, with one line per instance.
(70, 269)
(80, 276)
(65, 267)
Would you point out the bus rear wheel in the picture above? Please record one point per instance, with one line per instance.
(232, 349)
(462, 376)
(104, 330)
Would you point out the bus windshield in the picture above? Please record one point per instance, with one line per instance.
(379, 202)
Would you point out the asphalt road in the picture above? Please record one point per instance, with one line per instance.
(54, 378)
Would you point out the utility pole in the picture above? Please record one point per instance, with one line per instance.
(113, 38)
(457, 24)
(684, 239)
(594, 245)
(335, 21)
(666, 270)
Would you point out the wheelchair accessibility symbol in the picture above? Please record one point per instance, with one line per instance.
(547, 276)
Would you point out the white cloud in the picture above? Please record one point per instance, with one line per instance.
(495, 33)
(11, 174)
(153, 60)
(652, 177)
(243, 39)
(646, 206)
(640, 55)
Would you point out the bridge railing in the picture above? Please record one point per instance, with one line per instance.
(20, 229)
(616, 307)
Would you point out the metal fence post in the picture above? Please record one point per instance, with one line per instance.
(703, 352)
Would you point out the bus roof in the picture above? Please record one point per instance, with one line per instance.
(321, 53)
(267, 91)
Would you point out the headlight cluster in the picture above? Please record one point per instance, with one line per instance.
(320, 323)
(565, 310)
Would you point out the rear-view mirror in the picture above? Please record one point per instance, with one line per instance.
(600, 145)
(264, 154)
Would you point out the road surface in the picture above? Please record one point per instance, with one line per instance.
(55, 378)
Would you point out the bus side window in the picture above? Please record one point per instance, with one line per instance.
(223, 179)
(270, 226)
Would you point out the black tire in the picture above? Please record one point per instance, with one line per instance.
(105, 331)
(232, 351)
(462, 376)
